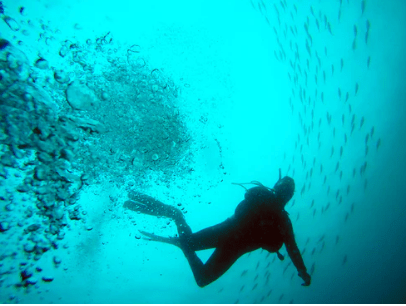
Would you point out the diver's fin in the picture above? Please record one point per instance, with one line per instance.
(138, 207)
(143, 198)
(148, 205)
(280, 256)
(152, 237)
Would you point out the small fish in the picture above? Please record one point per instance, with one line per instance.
(337, 166)
(332, 151)
(352, 207)
(355, 30)
(345, 138)
(337, 239)
(342, 64)
(348, 189)
(378, 143)
(362, 122)
(259, 7)
(321, 168)
(372, 131)
(339, 93)
(363, 4)
(368, 62)
(347, 96)
(341, 175)
(312, 269)
(329, 28)
(244, 272)
(356, 88)
(354, 44)
(242, 288)
(343, 118)
(366, 150)
(255, 286)
(345, 260)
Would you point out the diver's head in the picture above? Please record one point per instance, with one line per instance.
(284, 189)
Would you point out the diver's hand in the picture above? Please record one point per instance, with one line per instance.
(306, 277)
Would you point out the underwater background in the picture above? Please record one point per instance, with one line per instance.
(178, 100)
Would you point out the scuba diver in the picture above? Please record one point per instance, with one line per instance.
(259, 221)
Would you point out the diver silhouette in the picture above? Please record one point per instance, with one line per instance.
(259, 221)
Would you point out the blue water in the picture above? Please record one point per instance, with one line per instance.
(178, 100)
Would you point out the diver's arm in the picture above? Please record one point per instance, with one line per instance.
(294, 252)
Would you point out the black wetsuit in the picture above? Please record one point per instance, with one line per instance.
(258, 222)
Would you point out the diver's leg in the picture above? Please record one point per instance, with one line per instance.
(210, 237)
(205, 239)
(219, 262)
